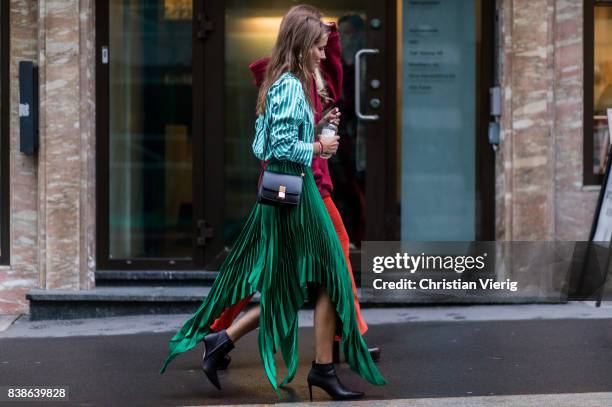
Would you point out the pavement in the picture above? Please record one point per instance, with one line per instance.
(22, 327)
(6, 321)
(517, 355)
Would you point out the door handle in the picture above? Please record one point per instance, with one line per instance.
(358, 55)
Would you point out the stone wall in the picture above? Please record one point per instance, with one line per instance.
(539, 191)
(66, 158)
(53, 193)
(574, 203)
(17, 279)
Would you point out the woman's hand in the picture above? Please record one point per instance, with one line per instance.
(330, 144)
(331, 116)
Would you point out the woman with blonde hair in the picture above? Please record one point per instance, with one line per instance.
(326, 90)
(281, 252)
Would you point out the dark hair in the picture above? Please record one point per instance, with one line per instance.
(353, 19)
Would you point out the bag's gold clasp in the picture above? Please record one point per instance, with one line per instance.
(281, 191)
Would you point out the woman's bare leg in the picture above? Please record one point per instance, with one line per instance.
(324, 327)
(244, 324)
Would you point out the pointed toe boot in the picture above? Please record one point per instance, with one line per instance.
(218, 345)
(323, 375)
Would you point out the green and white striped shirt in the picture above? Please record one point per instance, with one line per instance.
(287, 125)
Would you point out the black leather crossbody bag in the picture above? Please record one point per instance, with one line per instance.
(279, 189)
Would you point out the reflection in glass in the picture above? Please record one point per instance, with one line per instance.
(602, 92)
(150, 168)
(348, 166)
(438, 191)
(250, 34)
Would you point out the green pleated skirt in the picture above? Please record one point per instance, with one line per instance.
(278, 253)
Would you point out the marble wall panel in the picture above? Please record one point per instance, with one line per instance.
(574, 204)
(52, 225)
(22, 274)
(66, 48)
(539, 191)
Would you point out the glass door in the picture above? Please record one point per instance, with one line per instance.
(151, 125)
(176, 113)
(446, 165)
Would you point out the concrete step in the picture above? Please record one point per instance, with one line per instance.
(123, 278)
(120, 293)
(115, 301)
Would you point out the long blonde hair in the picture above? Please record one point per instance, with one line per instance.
(299, 32)
(322, 87)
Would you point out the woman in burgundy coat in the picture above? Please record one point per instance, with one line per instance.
(326, 90)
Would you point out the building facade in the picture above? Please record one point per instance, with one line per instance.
(146, 112)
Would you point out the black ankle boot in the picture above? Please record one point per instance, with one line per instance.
(218, 346)
(224, 363)
(323, 375)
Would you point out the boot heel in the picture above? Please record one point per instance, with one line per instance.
(324, 377)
